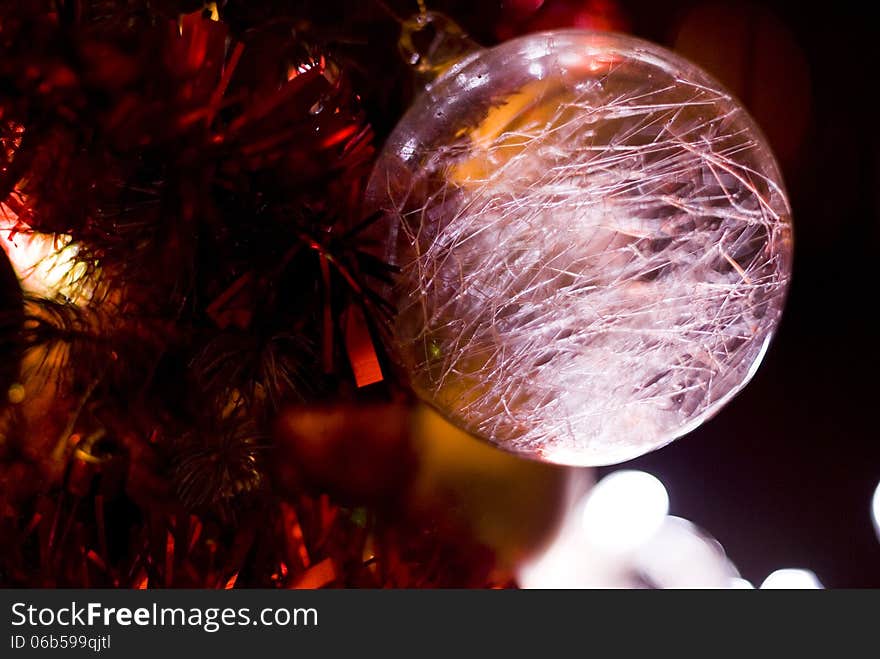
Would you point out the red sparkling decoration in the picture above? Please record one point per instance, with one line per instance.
(524, 16)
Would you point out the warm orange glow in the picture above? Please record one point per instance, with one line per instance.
(45, 263)
(361, 351)
(339, 137)
(169, 558)
(230, 584)
(317, 576)
(296, 541)
(141, 581)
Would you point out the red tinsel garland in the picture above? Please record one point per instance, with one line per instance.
(206, 184)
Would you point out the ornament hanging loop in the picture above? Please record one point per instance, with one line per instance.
(431, 42)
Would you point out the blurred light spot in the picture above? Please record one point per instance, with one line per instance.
(624, 510)
(875, 510)
(45, 264)
(791, 578)
(738, 583)
(681, 555)
(16, 393)
(535, 50)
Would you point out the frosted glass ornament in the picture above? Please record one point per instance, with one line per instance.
(594, 245)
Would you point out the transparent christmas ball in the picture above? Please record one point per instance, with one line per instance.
(593, 242)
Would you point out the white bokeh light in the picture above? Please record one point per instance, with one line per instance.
(681, 555)
(624, 510)
(792, 579)
(875, 510)
(620, 535)
(738, 583)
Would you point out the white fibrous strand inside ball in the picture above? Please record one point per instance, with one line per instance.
(593, 261)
